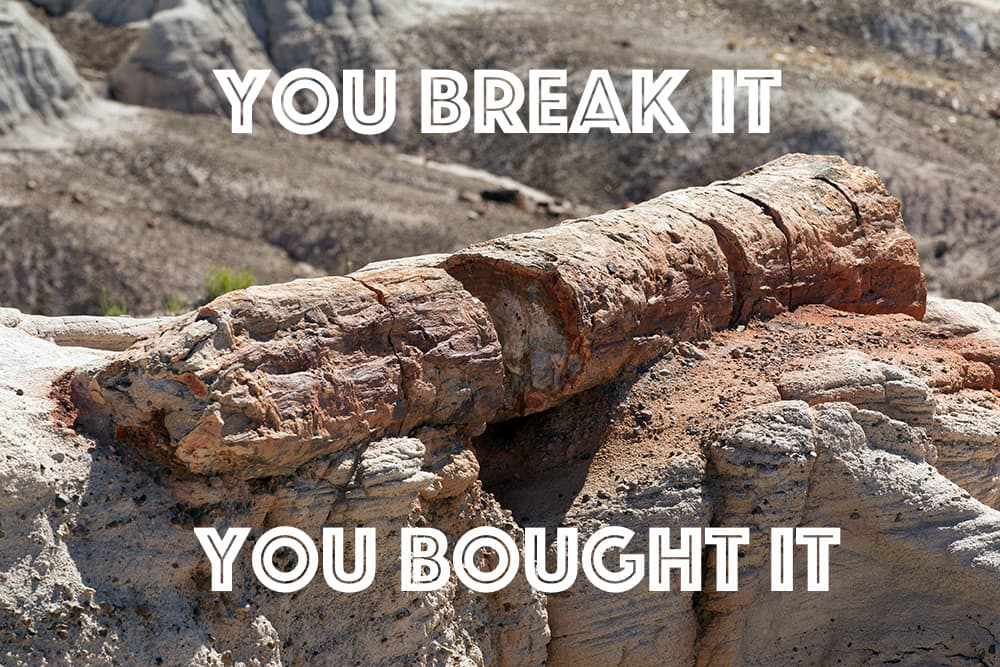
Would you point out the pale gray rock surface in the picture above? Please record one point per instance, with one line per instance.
(182, 41)
(965, 30)
(37, 78)
(960, 317)
(897, 514)
(99, 564)
(171, 64)
(978, 321)
(101, 333)
(115, 12)
(420, 261)
(853, 377)
(960, 436)
(967, 438)
(639, 627)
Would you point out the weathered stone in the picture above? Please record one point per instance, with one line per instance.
(973, 331)
(960, 317)
(847, 243)
(100, 333)
(577, 303)
(170, 66)
(967, 437)
(37, 77)
(906, 530)
(419, 261)
(787, 234)
(907, 497)
(104, 542)
(263, 380)
(638, 627)
(853, 377)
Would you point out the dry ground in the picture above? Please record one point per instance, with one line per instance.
(632, 429)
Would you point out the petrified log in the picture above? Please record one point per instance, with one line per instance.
(575, 304)
(262, 380)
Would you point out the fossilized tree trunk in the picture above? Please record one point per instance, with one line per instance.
(262, 380)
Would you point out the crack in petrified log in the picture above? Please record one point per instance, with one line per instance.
(756, 249)
(262, 380)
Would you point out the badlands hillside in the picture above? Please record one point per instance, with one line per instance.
(114, 206)
(759, 352)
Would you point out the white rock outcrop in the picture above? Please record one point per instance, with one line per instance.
(171, 64)
(961, 317)
(99, 564)
(37, 77)
(789, 464)
(182, 41)
(100, 333)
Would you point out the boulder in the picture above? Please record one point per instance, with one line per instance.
(960, 317)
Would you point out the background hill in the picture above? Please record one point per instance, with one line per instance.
(137, 208)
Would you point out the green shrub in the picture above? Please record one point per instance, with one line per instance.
(223, 279)
(173, 304)
(112, 307)
(116, 309)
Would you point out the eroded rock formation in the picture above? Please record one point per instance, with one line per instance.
(179, 44)
(660, 366)
(837, 465)
(37, 79)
